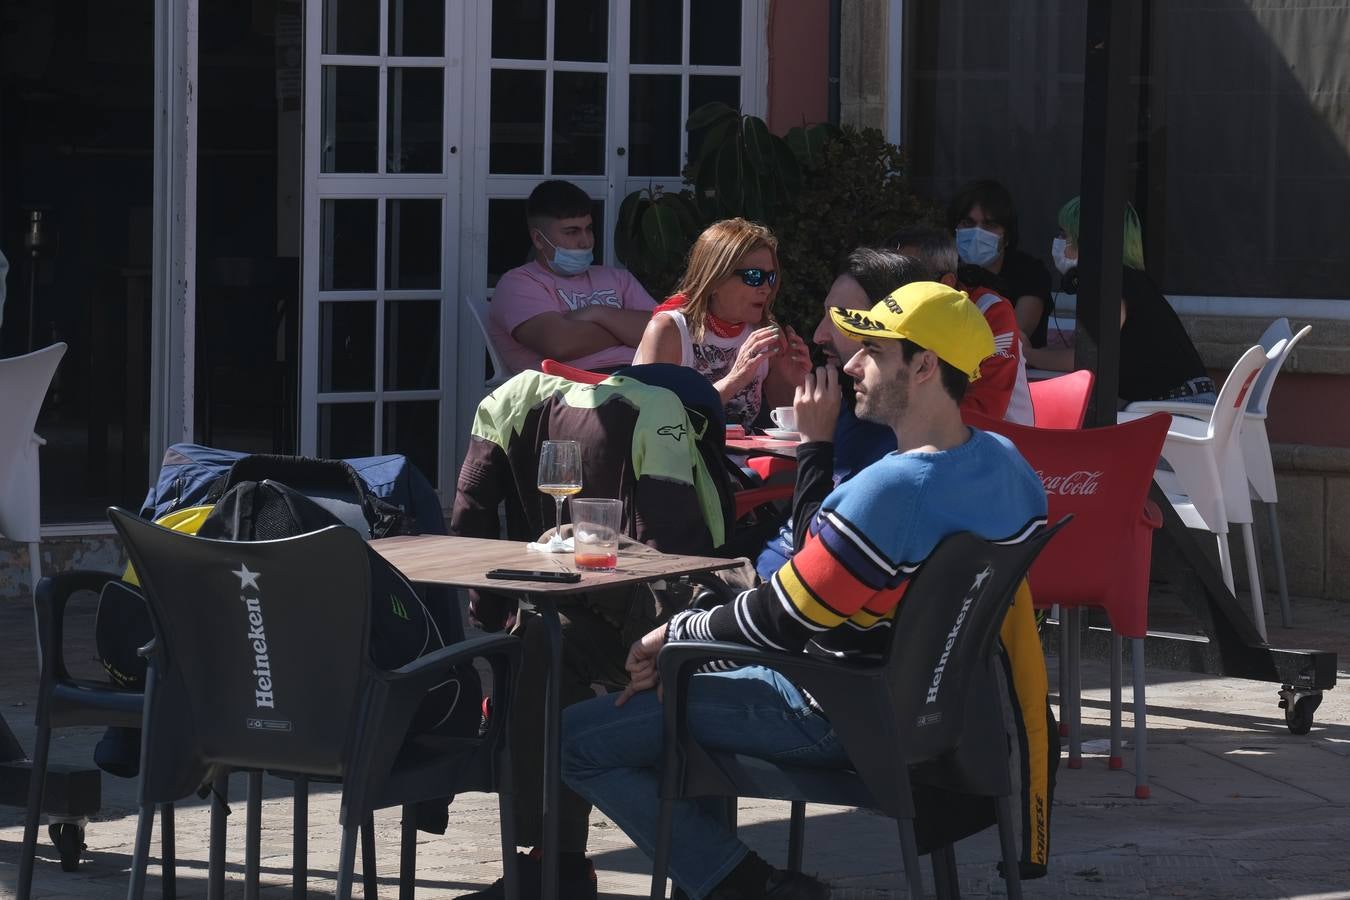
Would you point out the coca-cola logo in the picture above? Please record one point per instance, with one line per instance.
(1073, 484)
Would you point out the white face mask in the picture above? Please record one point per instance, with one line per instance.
(1062, 262)
(976, 246)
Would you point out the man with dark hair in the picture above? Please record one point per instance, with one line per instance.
(836, 595)
(1002, 391)
(837, 443)
(559, 305)
(983, 219)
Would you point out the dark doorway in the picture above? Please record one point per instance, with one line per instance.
(76, 143)
(249, 188)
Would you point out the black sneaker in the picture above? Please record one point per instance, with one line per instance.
(576, 883)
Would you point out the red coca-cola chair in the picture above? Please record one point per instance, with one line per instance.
(1062, 402)
(1101, 476)
(571, 373)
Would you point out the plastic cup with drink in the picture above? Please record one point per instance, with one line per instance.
(595, 533)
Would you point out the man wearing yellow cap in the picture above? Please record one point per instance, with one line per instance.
(920, 347)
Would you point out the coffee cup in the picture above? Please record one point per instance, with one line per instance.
(785, 417)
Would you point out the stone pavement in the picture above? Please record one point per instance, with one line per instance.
(1240, 807)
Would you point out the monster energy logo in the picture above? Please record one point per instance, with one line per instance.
(397, 606)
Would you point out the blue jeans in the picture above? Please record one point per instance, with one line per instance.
(612, 756)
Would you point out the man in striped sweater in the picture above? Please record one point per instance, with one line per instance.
(921, 346)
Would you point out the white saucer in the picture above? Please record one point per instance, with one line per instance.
(782, 434)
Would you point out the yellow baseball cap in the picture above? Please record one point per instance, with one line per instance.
(930, 314)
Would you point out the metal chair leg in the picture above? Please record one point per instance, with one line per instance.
(1226, 561)
(1058, 612)
(1012, 870)
(140, 856)
(909, 852)
(1141, 788)
(37, 782)
(253, 836)
(942, 877)
(796, 836)
(407, 854)
(370, 881)
(1254, 579)
(1115, 761)
(215, 874)
(510, 871)
(1286, 611)
(168, 864)
(661, 858)
(1074, 619)
(300, 839)
(346, 862)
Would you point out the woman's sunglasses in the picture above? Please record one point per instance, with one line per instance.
(755, 277)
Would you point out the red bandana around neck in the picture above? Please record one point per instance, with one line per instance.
(720, 327)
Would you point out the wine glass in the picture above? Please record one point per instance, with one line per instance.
(559, 477)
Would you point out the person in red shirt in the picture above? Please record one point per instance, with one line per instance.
(1001, 391)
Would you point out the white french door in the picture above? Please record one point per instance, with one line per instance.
(382, 188)
(404, 98)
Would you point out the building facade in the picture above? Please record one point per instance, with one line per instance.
(256, 224)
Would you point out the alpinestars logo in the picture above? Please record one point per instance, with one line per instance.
(256, 637)
(676, 431)
(952, 635)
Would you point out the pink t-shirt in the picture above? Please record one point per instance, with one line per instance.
(534, 289)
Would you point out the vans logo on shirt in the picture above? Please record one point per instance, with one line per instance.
(575, 300)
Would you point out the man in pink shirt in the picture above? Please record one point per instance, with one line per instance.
(559, 306)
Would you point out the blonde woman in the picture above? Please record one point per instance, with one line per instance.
(720, 322)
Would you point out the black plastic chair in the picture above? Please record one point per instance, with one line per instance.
(928, 717)
(65, 702)
(260, 662)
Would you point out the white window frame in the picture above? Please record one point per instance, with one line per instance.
(382, 187)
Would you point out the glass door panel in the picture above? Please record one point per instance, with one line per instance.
(382, 206)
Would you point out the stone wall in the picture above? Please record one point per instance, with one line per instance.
(100, 553)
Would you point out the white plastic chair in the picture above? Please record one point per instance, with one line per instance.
(500, 371)
(1256, 447)
(1208, 482)
(23, 386)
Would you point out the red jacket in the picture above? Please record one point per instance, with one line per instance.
(1001, 374)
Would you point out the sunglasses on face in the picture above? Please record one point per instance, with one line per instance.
(755, 277)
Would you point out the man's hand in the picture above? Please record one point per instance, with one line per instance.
(641, 664)
(817, 404)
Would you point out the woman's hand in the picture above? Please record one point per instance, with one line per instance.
(817, 403)
(761, 343)
(794, 357)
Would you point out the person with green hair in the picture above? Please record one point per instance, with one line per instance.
(1157, 359)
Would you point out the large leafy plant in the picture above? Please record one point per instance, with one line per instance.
(823, 191)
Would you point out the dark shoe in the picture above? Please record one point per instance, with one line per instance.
(578, 883)
(795, 886)
(781, 885)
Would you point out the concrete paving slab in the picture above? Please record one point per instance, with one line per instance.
(1240, 808)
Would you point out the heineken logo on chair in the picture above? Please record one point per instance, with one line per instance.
(256, 636)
